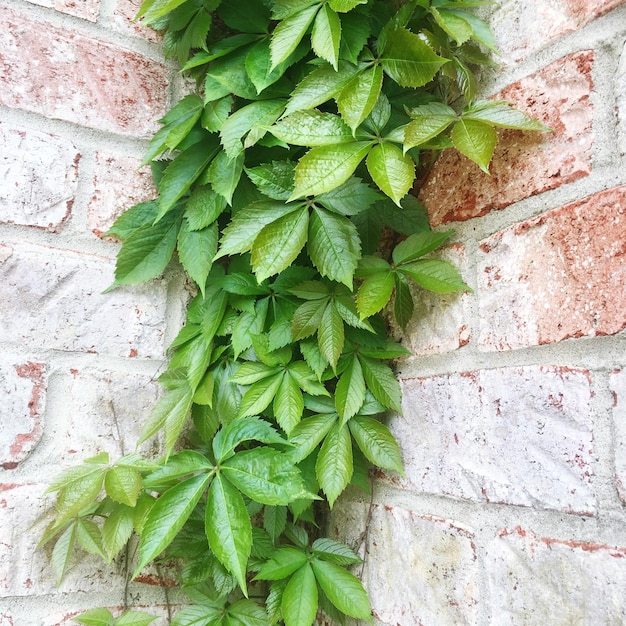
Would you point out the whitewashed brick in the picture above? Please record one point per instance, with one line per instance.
(536, 580)
(620, 87)
(519, 436)
(23, 393)
(419, 569)
(618, 387)
(52, 298)
(38, 178)
(105, 412)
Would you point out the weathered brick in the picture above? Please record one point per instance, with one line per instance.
(620, 89)
(520, 436)
(439, 322)
(85, 9)
(117, 185)
(53, 299)
(556, 276)
(123, 19)
(23, 391)
(25, 569)
(618, 387)
(524, 163)
(572, 582)
(68, 76)
(522, 28)
(419, 569)
(38, 178)
(105, 412)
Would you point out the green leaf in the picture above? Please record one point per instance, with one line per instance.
(167, 516)
(334, 245)
(411, 218)
(169, 413)
(279, 243)
(476, 140)
(376, 442)
(240, 430)
(245, 613)
(283, 562)
(227, 75)
(307, 435)
(117, 529)
(312, 128)
(183, 171)
(78, 494)
(151, 10)
(224, 174)
(313, 356)
(358, 97)
(418, 245)
(403, 301)
(353, 197)
(132, 219)
(259, 64)
(503, 114)
(307, 318)
(289, 32)
(62, 551)
(244, 228)
(274, 521)
(147, 251)
(123, 484)
(203, 207)
(326, 35)
(252, 372)
(330, 335)
(228, 528)
(428, 121)
(89, 537)
(334, 551)
(199, 615)
(391, 170)
(288, 404)
(453, 25)
(408, 60)
(343, 589)
(350, 391)
(246, 16)
(435, 275)
(96, 617)
(263, 114)
(334, 462)
(299, 604)
(196, 249)
(382, 383)
(374, 293)
(258, 397)
(343, 6)
(135, 618)
(275, 179)
(286, 8)
(355, 31)
(481, 31)
(304, 375)
(322, 84)
(216, 113)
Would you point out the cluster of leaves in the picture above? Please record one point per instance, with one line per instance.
(275, 183)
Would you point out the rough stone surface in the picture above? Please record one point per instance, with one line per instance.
(524, 163)
(620, 87)
(618, 387)
(118, 184)
(53, 299)
(38, 178)
(520, 436)
(439, 323)
(572, 582)
(522, 28)
(431, 579)
(25, 569)
(85, 9)
(23, 392)
(64, 75)
(557, 276)
(105, 412)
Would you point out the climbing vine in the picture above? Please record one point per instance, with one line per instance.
(276, 181)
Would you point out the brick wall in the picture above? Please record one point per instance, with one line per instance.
(514, 414)
(81, 88)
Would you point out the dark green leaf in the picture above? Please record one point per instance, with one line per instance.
(215, 113)
(224, 174)
(244, 429)
(203, 208)
(350, 198)
(274, 520)
(275, 179)
(403, 301)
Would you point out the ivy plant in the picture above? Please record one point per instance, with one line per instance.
(277, 179)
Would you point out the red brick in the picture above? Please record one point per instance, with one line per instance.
(38, 178)
(419, 569)
(85, 9)
(23, 389)
(52, 299)
(522, 28)
(519, 436)
(117, 185)
(581, 581)
(556, 276)
(525, 163)
(68, 76)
